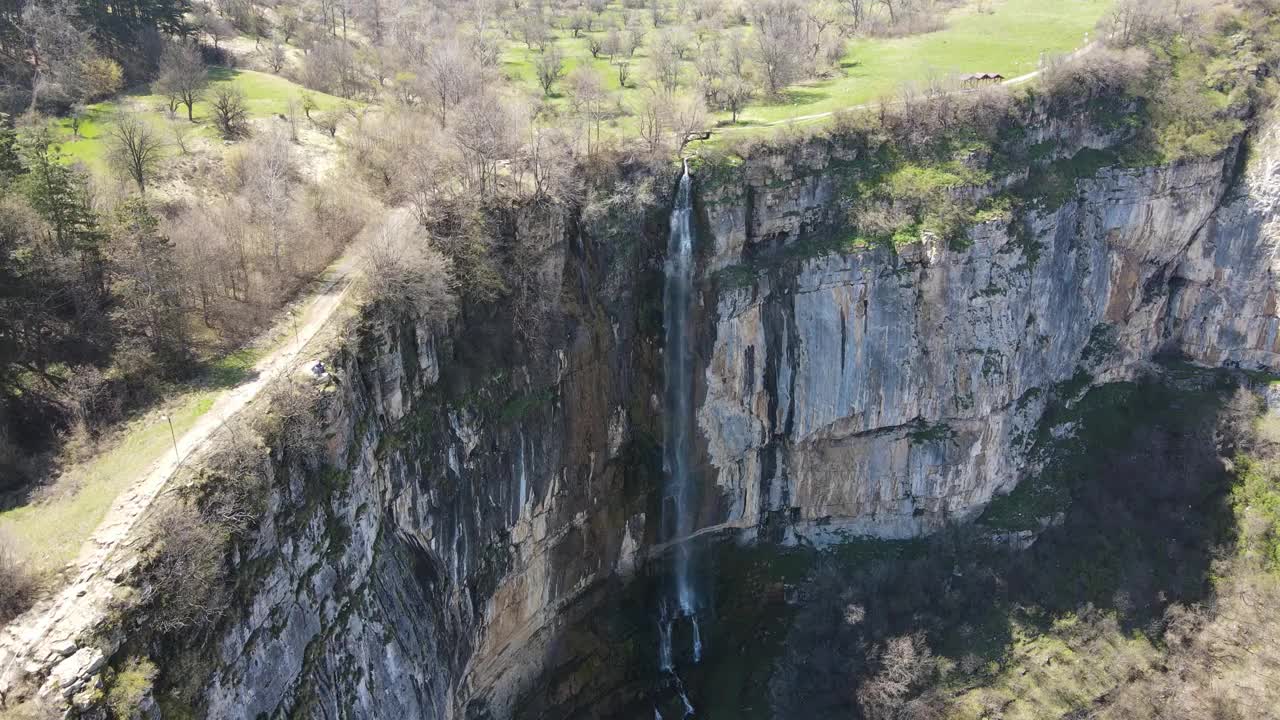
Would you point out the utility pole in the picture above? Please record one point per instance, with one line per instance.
(297, 340)
(174, 437)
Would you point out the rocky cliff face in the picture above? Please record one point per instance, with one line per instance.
(481, 481)
(489, 487)
(887, 392)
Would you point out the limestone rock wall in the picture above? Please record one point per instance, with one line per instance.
(490, 484)
(475, 485)
(886, 392)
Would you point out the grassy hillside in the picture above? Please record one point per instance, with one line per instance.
(264, 94)
(51, 529)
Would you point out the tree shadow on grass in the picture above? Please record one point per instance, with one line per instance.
(800, 96)
(230, 370)
(218, 73)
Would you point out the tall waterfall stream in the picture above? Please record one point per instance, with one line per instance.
(681, 601)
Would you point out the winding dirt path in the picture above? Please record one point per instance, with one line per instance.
(45, 642)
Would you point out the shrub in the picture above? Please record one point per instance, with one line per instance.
(33, 709)
(131, 685)
(1102, 73)
(103, 77)
(406, 269)
(17, 584)
(183, 583)
(232, 493)
(292, 425)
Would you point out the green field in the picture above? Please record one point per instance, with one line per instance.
(264, 94)
(1009, 40)
(50, 532)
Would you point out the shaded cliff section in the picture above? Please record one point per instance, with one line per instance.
(482, 484)
(859, 388)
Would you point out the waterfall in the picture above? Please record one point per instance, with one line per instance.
(678, 378)
(677, 499)
(522, 475)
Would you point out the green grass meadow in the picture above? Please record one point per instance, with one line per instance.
(264, 95)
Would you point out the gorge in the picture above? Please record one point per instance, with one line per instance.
(881, 392)
(543, 509)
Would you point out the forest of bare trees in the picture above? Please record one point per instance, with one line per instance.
(432, 57)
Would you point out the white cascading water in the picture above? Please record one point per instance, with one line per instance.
(677, 505)
(522, 477)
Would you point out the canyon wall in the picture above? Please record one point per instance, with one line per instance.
(489, 486)
(889, 391)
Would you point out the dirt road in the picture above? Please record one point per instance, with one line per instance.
(47, 639)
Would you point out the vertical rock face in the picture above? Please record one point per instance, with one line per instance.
(1223, 303)
(887, 392)
(488, 485)
(478, 480)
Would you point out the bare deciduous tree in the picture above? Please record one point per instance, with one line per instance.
(735, 93)
(288, 22)
(589, 100)
(180, 132)
(577, 22)
(215, 26)
(534, 31)
(687, 116)
(905, 664)
(230, 115)
(276, 56)
(135, 148)
(491, 133)
(55, 48)
(333, 67)
(327, 121)
(664, 62)
(448, 76)
(777, 36)
(549, 67)
(182, 75)
(634, 35)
